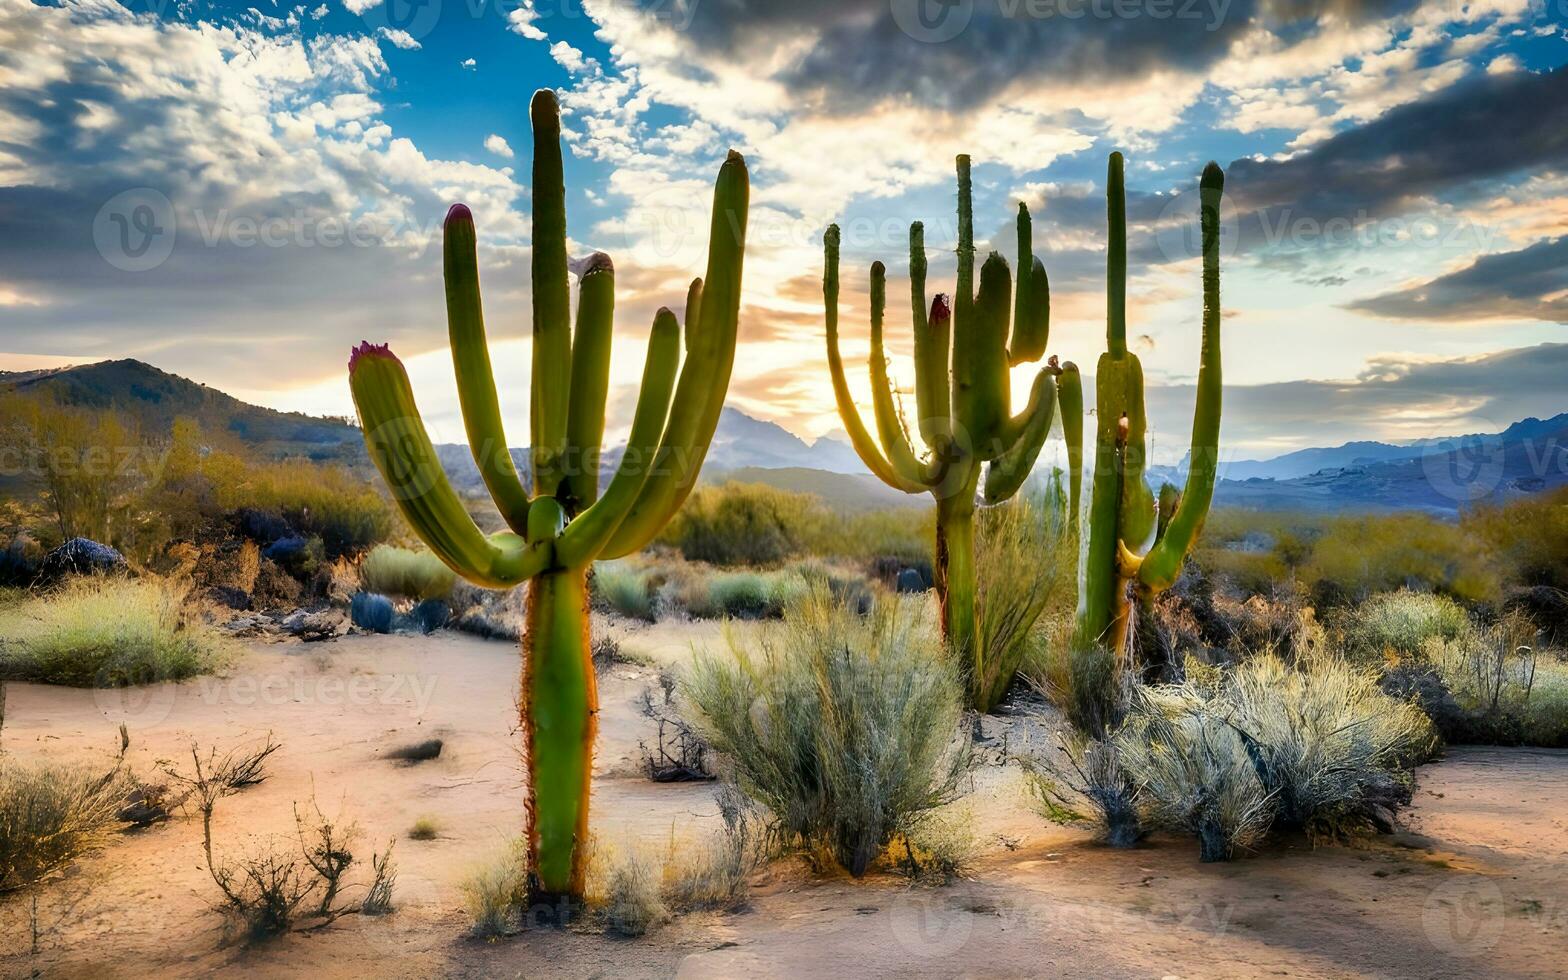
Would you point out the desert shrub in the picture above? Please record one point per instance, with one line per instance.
(624, 589)
(424, 828)
(842, 726)
(745, 595)
(52, 814)
(410, 574)
(1193, 773)
(940, 845)
(1512, 691)
(1366, 554)
(1328, 745)
(345, 511)
(495, 892)
(1528, 536)
(1025, 559)
(1403, 623)
(1087, 786)
(745, 524)
(105, 632)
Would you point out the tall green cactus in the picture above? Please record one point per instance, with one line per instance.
(963, 399)
(559, 530)
(1136, 546)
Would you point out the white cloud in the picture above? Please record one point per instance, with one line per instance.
(400, 39)
(568, 57)
(469, 64)
(319, 12)
(497, 145)
(357, 7)
(521, 20)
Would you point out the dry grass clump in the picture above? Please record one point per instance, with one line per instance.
(843, 727)
(495, 892)
(50, 815)
(1025, 561)
(1402, 623)
(414, 575)
(424, 828)
(106, 632)
(631, 901)
(1087, 786)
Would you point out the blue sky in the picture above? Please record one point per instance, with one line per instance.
(1398, 185)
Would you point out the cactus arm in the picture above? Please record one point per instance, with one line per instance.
(692, 314)
(552, 338)
(1069, 399)
(1136, 524)
(1032, 299)
(471, 362)
(704, 378)
(964, 287)
(1116, 257)
(587, 535)
(1163, 563)
(859, 437)
(933, 342)
(590, 383)
(890, 424)
(401, 449)
(1008, 471)
(982, 396)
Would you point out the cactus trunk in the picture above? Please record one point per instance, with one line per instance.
(559, 707)
(956, 586)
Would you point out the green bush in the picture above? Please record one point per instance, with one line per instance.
(1026, 561)
(842, 726)
(1358, 556)
(624, 589)
(745, 595)
(745, 524)
(105, 632)
(1529, 537)
(410, 574)
(1403, 623)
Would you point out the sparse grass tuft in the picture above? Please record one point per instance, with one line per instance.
(50, 815)
(496, 891)
(105, 632)
(424, 828)
(624, 589)
(631, 901)
(842, 726)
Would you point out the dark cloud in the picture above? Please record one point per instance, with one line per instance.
(1487, 128)
(1531, 284)
(959, 53)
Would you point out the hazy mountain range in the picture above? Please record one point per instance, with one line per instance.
(1437, 475)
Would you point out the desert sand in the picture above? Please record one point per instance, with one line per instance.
(1474, 885)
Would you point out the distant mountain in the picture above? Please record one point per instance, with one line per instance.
(845, 492)
(1439, 476)
(155, 398)
(1436, 475)
(744, 442)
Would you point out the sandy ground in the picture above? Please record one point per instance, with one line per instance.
(1476, 886)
